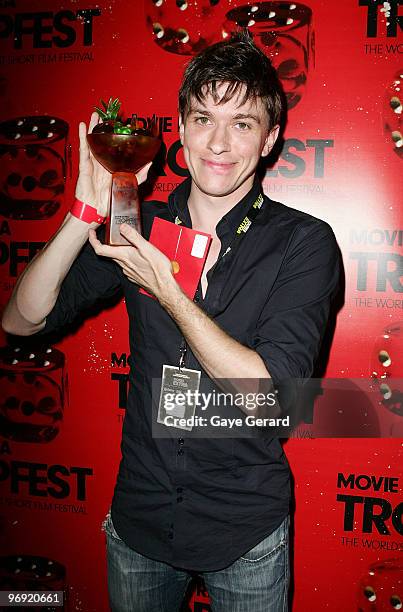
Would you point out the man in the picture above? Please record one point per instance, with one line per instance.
(215, 507)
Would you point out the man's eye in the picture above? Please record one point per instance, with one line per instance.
(242, 125)
(202, 120)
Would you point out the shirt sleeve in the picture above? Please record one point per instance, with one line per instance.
(292, 324)
(91, 278)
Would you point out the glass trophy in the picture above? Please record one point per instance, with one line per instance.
(122, 149)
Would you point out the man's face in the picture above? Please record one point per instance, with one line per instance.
(222, 143)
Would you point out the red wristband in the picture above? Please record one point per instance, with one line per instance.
(85, 212)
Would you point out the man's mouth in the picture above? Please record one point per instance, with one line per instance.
(220, 167)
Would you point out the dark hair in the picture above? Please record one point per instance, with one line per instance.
(238, 62)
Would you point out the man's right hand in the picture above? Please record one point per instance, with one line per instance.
(38, 287)
(94, 182)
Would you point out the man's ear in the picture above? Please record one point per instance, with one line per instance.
(270, 140)
(181, 128)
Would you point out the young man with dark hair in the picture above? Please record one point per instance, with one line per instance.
(215, 507)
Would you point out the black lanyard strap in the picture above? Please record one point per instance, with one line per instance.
(240, 232)
(245, 224)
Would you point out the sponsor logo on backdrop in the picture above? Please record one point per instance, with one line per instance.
(379, 11)
(294, 152)
(372, 506)
(382, 21)
(121, 379)
(377, 271)
(17, 252)
(167, 155)
(55, 31)
(298, 158)
(307, 159)
(42, 486)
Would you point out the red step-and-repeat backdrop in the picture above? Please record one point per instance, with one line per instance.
(62, 406)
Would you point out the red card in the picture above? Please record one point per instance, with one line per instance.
(186, 247)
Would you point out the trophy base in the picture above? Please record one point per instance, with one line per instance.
(124, 208)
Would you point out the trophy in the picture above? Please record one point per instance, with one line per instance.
(122, 149)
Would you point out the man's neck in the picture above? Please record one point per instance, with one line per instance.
(206, 211)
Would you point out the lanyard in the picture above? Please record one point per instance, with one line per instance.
(240, 232)
(245, 224)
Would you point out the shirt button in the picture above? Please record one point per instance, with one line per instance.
(179, 499)
(170, 536)
(179, 490)
(181, 451)
(181, 441)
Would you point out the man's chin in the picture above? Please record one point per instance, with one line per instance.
(218, 191)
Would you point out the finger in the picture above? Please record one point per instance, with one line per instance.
(93, 240)
(82, 134)
(105, 250)
(132, 235)
(126, 270)
(141, 175)
(94, 120)
(84, 153)
(130, 276)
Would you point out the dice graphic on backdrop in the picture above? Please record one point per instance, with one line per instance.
(381, 588)
(185, 27)
(393, 113)
(34, 158)
(33, 393)
(33, 573)
(283, 30)
(386, 369)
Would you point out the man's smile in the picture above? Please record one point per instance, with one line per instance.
(219, 167)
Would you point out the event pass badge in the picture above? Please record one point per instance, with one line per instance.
(177, 405)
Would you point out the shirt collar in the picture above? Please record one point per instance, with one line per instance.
(228, 224)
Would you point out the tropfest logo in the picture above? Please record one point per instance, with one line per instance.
(371, 507)
(48, 37)
(383, 25)
(47, 29)
(378, 11)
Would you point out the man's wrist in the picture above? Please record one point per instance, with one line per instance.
(170, 296)
(80, 224)
(86, 212)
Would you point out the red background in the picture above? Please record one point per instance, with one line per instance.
(346, 100)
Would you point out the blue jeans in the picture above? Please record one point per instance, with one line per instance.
(257, 582)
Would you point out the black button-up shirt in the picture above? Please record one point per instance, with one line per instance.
(194, 503)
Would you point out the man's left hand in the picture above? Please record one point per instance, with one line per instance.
(220, 355)
(141, 262)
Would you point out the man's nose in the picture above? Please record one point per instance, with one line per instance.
(219, 140)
